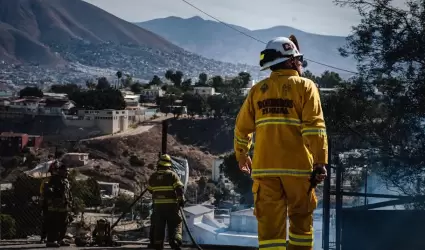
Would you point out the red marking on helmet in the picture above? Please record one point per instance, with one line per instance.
(287, 46)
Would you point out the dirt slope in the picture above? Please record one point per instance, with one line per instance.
(145, 146)
(26, 26)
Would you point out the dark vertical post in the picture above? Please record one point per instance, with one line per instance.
(327, 199)
(365, 185)
(164, 136)
(338, 205)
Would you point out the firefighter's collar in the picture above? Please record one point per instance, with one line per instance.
(285, 72)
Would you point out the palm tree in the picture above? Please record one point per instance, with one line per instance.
(119, 75)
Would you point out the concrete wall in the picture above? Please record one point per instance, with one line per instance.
(243, 223)
(81, 122)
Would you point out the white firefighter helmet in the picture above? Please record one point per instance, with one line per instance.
(278, 50)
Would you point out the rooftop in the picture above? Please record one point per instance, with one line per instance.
(197, 210)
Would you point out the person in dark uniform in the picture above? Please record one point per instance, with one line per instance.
(43, 186)
(167, 194)
(151, 230)
(59, 203)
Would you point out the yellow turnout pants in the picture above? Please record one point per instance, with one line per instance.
(275, 198)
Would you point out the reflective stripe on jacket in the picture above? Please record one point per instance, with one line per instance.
(286, 115)
(165, 187)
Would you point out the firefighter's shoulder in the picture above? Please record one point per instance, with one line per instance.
(305, 82)
(260, 86)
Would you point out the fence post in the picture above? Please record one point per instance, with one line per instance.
(164, 136)
(1, 220)
(327, 199)
(338, 205)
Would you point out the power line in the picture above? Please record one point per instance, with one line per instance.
(258, 40)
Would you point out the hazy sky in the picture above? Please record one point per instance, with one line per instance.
(315, 16)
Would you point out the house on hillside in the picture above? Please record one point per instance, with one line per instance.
(13, 143)
(150, 95)
(204, 91)
(110, 189)
(56, 106)
(55, 95)
(108, 121)
(76, 159)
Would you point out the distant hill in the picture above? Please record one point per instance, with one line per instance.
(50, 32)
(27, 25)
(214, 40)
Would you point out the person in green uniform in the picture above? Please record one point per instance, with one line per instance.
(167, 194)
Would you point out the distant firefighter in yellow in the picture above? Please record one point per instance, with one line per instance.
(167, 194)
(285, 112)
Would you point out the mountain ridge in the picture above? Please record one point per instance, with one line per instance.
(217, 41)
(57, 32)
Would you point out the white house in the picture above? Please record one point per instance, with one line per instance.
(204, 91)
(216, 173)
(110, 188)
(132, 100)
(152, 93)
(56, 95)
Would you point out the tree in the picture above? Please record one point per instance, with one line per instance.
(246, 78)
(99, 99)
(217, 103)
(90, 84)
(31, 91)
(186, 85)
(173, 90)
(123, 202)
(156, 81)
(177, 78)
(102, 83)
(119, 76)
(165, 102)
(65, 88)
(195, 104)
(127, 82)
(87, 192)
(217, 82)
(203, 78)
(230, 168)
(389, 46)
(202, 183)
(308, 74)
(329, 80)
(169, 74)
(136, 88)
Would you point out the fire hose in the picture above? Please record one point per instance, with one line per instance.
(181, 211)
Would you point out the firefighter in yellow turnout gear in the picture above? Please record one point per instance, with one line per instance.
(167, 194)
(285, 112)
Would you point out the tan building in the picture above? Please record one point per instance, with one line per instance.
(108, 121)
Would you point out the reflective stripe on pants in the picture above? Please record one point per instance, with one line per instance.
(277, 244)
(277, 197)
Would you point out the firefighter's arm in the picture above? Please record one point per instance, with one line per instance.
(245, 126)
(178, 188)
(313, 125)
